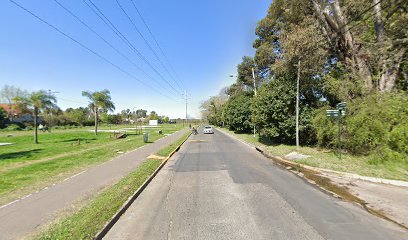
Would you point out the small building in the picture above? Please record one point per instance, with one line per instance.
(12, 110)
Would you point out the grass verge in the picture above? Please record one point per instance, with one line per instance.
(86, 222)
(328, 159)
(21, 174)
(167, 150)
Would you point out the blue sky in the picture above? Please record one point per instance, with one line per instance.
(203, 40)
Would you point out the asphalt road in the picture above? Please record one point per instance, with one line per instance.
(216, 187)
(28, 215)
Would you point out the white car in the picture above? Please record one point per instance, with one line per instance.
(208, 130)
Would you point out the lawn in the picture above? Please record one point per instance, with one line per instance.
(88, 220)
(329, 159)
(26, 167)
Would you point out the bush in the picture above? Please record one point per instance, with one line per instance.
(13, 127)
(274, 113)
(326, 129)
(238, 112)
(384, 154)
(399, 139)
(376, 123)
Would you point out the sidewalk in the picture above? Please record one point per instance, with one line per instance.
(29, 214)
(389, 197)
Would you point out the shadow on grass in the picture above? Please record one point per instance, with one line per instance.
(76, 139)
(29, 153)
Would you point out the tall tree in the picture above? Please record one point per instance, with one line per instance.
(36, 102)
(99, 101)
(140, 113)
(8, 93)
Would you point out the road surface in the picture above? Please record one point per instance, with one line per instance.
(27, 215)
(216, 187)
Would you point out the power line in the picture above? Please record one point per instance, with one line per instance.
(104, 40)
(155, 40)
(118, 33)
(84, 46)
(145, 40)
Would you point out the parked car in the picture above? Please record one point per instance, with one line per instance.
(208, 130)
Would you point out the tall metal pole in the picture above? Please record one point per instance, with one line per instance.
(340, 134)
(297, 107)
(185, 95)
(253, 76)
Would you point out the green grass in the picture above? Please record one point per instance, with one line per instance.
(167, 150)
(87, 221)
(26, 167)
(324, 158)
(90, 219)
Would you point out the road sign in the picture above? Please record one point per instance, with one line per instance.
(332, 113)
(339, 113)
(341, 105)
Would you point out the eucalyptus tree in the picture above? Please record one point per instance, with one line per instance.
(36, 102)
(99, 100)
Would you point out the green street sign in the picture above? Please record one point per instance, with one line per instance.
(338, 114)
(332, 113)
(341, 106)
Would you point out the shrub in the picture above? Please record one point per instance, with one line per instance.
(238, 112)
(399, 139)
(376, 123)
(13, 127)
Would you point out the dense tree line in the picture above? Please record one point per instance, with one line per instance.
(351, 51)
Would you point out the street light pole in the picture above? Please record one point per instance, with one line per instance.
(297, 106)
(185, 98)
(253, 76)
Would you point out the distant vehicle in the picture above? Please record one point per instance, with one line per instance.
(208, 130)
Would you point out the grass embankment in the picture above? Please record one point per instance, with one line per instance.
(164, 152)
(26, 167)
(86, 222)
(324, 158)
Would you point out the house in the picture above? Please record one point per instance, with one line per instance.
(12, 109)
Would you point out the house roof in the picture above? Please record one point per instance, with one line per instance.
(10, 108)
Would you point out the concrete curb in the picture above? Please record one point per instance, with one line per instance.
(132, 198)
(397, 183)
(288, 165)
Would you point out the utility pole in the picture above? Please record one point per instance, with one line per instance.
(297, 106)
(253, 76)
(185, 97)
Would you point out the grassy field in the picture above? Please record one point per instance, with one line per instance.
(87, 221)
(26, 167)
(329, 159)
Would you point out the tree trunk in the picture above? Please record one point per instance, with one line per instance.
(390, 72)
(35, 125)
(96, 120)
(352, 50)
(334, 25)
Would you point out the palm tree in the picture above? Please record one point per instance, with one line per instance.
(36, 102)
(99, 101)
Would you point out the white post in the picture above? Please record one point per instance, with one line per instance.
(185, 95)
(297, 107)
(253, 76)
